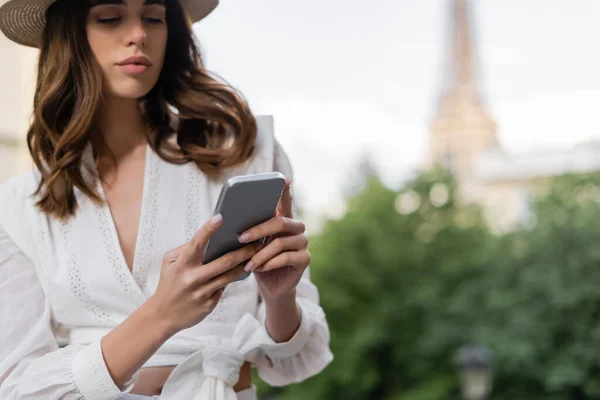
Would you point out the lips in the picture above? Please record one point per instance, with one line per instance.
(136, 60)
(135, 65)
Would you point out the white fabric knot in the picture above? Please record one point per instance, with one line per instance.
(220, 360)
(223, 363)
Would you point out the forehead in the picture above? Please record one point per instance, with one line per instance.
(126, 2)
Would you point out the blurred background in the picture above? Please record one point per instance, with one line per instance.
(447, 162)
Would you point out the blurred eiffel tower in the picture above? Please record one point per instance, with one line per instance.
(463, 137)
(463, 127)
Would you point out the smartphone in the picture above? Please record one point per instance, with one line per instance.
(245, 201)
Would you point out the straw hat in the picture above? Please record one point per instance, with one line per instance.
(23, 21)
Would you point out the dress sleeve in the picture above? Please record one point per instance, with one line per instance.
(308, 352)
(32, 366)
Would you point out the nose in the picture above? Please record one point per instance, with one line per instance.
(136, 35)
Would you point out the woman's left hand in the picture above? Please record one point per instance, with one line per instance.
(279, 266)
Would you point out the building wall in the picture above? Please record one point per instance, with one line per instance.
(17, 85)
(507, 204)
(13, 160)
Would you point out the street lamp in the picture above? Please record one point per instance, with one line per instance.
(474, 365)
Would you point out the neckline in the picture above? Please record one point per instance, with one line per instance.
(139, 268)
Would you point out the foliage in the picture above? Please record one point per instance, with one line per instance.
(403, 291)
(543, 305)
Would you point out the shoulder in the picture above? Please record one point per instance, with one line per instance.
(18, 190)
(281, 161)
(17, 203)
(269, 148)
(265, 142)
(265, 135)
(262, 160)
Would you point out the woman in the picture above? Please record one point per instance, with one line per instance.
(132, 140)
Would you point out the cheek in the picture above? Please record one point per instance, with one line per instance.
(158, 49)
(99, 45)
(161, 45)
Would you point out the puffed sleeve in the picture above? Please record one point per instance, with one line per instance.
(308, 352)
(31, 364)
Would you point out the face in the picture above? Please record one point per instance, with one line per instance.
(129, 40)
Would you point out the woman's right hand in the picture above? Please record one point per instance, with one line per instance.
(188, 291)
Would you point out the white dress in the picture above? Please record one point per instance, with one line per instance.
(72, 277)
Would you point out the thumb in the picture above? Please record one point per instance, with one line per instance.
(192, 252)
(284, 208)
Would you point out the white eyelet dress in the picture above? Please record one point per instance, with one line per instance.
(72, 278)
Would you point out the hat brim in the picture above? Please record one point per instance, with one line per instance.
(23, 21)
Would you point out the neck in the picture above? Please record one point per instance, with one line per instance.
(122, 129)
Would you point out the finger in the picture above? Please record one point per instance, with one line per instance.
(213, 297)
(172, 255)
(192, 253)
(284, 207)
(298, 260)
(277, 246)
(272, 227)
(221, 281)
(225, 263)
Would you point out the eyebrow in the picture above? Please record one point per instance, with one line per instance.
(94, 3)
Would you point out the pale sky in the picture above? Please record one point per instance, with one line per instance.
(341, 76)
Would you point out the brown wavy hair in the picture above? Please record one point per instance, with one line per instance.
(215, 129)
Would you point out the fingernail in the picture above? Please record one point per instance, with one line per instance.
(244, 237)
(216, 220)
(249, 266)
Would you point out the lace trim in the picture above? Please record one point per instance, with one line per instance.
(108, 230)
(148, 220)
(44, 236)
(196, 183)
(193, 221)
(91, 375)
(78, 287)
(146, 235)
(60, 314)
(122, 274)
(193, 213)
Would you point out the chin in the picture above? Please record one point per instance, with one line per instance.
(131, 91)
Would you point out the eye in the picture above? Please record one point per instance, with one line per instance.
(108, 21)
(153, 21)
(154, 14)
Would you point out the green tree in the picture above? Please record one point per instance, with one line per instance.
(403, 290)
(393, 287)
(543, 305)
